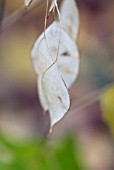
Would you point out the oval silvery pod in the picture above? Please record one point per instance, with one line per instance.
(56, 68)
(53, 93)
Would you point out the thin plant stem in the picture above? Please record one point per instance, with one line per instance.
(89, 99)
(17, 15)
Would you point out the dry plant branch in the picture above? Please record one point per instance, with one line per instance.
(17, 15)
(89, 99)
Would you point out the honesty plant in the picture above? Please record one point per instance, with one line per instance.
(56, 61)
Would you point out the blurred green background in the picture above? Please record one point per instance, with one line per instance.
(84, 138)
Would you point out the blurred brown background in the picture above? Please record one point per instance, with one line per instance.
(20, 111)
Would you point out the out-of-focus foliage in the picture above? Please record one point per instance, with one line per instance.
(107, 104)
(40, 155)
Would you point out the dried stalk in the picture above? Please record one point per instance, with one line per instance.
(17, 15)
(89, 99)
